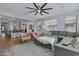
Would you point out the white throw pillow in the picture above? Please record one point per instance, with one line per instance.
(66, 40)
(77, 43)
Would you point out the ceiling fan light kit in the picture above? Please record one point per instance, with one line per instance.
(39, 9)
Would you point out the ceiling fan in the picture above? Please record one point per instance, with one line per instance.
(39, 9)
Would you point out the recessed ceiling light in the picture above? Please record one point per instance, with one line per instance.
(0, 16)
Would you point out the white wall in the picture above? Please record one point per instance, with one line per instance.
(0, 27)
(61, 17)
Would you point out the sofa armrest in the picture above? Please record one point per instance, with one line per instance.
(60, 50)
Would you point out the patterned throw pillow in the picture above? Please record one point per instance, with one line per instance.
(59, 39)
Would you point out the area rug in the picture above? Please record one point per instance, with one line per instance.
(28, 49)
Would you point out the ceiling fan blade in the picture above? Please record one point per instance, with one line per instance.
(30, 8)
(47, 9)
(45, 12)
(36, 13)
(43, 5)
(35, 5)
(31, 11)
(41, 13)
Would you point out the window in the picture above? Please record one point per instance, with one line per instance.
(51, 25)
(70, 24)
(31, 27)
(39, 25)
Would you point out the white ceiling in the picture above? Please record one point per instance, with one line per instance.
(18, 9)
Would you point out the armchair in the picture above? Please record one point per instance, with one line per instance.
(25, 37)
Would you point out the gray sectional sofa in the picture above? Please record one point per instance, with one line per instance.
(60, 50)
